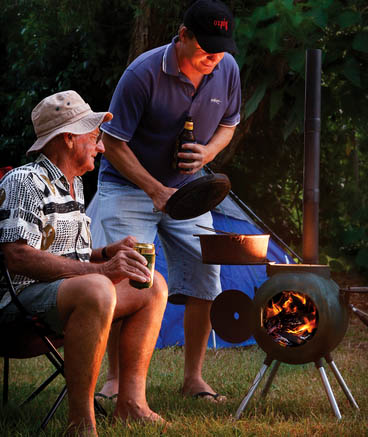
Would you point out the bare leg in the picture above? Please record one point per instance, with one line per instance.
(137, 342)
(86, 303)
(111, 385)
(197, 328)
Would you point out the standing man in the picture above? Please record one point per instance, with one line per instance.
(194, 75)
(77, 291)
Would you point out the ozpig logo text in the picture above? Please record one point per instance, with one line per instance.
(221, 23)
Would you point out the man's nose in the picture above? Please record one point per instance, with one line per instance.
(100, 147)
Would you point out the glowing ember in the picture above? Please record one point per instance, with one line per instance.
(290, 318)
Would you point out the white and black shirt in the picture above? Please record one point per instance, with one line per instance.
(36, 206)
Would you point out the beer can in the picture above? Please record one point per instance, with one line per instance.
(148, 251)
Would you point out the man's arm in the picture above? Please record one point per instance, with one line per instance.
(202, 155)
(124, 160)
(43, 266)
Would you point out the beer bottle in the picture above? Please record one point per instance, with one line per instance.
(185, 136)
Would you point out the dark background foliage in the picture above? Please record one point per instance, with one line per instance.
(49, 46)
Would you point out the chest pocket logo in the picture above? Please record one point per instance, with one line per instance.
(2, 196)
(48, 236)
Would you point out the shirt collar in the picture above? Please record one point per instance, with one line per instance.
(169, 59)
(54, 173)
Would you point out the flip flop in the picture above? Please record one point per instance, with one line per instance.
(216, 396)
(105, 397)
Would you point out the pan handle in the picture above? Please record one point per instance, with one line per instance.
(217, 231)
(354, 290)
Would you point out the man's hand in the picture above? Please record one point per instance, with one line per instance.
(197, 153)
(202, 155)
(161, 197)
(126, 263)
(125, 244)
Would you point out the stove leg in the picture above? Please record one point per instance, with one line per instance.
(253, 387)
(341, 381)
(270, 379)
(328, 389)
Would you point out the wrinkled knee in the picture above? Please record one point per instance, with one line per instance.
(99, 294)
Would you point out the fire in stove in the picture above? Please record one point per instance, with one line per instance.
(290, 318)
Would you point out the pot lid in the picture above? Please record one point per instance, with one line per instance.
(198, 197)
(232, 315)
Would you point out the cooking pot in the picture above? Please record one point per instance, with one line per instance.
(331, 308)
(234, 248)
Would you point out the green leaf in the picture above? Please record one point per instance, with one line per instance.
(336, 266)
(348, 18)
(362, 257)
(264, 13)
(319, 16)
(360, 42)
(354, 235)
(288, 4)
(276, 102)
(270, 36)
(252, 104)
(351, 71)
(296, 59)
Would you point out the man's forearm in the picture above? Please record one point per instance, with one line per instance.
(219, 141)
(43, 266)
(124, 160)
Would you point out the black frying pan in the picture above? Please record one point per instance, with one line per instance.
(198, 196)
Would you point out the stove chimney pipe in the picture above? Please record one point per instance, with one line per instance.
(312, 127)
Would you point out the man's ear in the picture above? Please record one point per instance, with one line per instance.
(182, 32)
(68, 139)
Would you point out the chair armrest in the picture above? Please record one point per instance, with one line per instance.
(10, 286)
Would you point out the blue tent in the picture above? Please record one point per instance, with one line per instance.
(227, 216)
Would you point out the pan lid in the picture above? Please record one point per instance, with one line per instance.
(198, 197)
(232, 316)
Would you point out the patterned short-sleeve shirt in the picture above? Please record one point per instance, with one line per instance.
(36, 206)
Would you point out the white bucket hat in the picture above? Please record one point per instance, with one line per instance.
(63, 112)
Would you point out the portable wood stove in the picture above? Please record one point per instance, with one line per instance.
(299, 315)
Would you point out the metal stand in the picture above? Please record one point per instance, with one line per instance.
(327, 387)
(270, 379)
(341, 381)
(257, 380)
(326, 384)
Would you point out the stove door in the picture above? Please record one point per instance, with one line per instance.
(232, 316)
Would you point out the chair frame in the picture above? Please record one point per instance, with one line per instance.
(43, 332)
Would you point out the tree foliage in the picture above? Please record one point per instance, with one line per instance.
(86, 46)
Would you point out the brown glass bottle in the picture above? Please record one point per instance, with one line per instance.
(185, 136)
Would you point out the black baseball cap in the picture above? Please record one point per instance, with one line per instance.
(212, 23)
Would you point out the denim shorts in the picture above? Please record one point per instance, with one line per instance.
(39, 299)
(124, 210)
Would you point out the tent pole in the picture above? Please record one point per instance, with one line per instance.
(246, 208)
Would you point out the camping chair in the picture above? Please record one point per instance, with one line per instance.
(30, 338)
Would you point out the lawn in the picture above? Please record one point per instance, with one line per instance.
(295, 406)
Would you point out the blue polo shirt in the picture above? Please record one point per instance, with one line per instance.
(151, 102)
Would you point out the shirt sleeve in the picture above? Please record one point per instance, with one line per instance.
(20, 210)
(127, 105)
(232, 113)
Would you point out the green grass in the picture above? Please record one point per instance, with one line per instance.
(295, 406)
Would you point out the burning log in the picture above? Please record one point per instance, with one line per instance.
(290, 318)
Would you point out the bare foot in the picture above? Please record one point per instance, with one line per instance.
(132, 412)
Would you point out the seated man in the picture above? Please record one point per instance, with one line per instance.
(45, 237)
